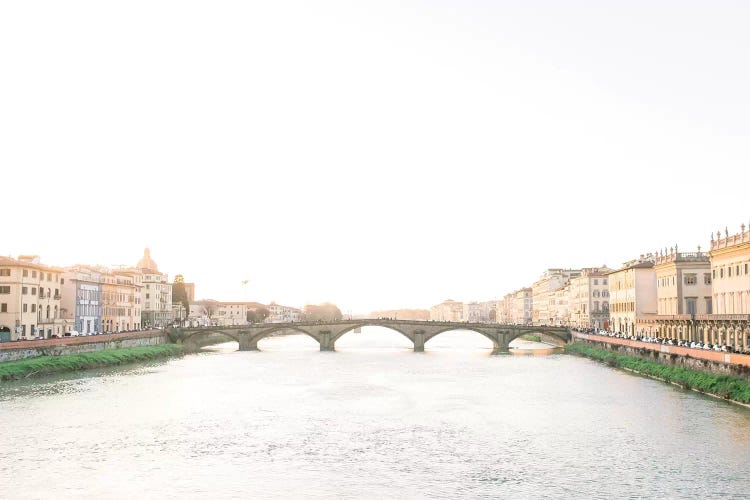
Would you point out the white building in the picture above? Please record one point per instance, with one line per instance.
(156, 294)
(82, 298)
(589, 299)
(282, 314)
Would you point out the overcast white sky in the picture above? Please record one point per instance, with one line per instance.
(374, 154)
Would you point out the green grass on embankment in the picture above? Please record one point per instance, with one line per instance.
(724, 386)
(43, 365)
(531, 337)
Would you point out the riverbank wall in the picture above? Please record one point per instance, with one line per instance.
(718, 363)
(14, 351)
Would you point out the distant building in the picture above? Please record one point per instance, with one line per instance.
(520, 307)
(589, 299)
(29, 299)
(448, 310)
(156, 294)
(543, 292)
(82, 298)
(121, 299)
(408, 314)
(282, 314)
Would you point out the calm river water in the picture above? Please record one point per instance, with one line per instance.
(373, 420)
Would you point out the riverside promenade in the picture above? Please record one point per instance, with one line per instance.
(701, 354)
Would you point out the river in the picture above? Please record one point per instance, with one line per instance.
(372, 420)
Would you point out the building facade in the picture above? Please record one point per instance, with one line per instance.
(121, 297)
(632, 294)
(683, 282)
(448, 310)
(82, 298)
(156, 294)
(282, 314)
(730, 272)
(543, 291)
(589, 299)
(30, 305)
(521, 307)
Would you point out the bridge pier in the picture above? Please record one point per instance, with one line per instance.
(325, 341)
(418, 341)
(248, 344)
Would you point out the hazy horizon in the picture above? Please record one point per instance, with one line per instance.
(377, 156)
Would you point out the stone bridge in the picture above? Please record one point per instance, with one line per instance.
(326, 333)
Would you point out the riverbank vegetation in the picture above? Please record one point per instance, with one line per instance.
(43, 365)
(724, 386)
(531, 337)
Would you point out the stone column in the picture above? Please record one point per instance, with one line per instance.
(502, 344)
(325, 341)
(419, 341)
(247, 343)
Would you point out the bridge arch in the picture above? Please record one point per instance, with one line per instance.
(368, 323)
(192, 337)
(562, 335)
(257, 337)
(431, 335)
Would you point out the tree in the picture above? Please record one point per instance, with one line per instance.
(257, 315)
(323, 312)
(179, 294)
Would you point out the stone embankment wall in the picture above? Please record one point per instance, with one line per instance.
(721, 363)
(12, 351)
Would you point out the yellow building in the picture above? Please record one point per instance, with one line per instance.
(29, 299)
(730, 271)
(121, 293)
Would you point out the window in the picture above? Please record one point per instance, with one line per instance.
(25, 273)
(706, 278)
(4, 289)
(721, 272)
(49, 276)
(33, 274)
(596, 282)
(709, 309)
(33, 308)
(24, 308)
(737, 273)
(4, 272)
(691, 279)
(729, 272)
(690, 305)
(4, 307)
(33, 290)
(714, 273)
(24, 290)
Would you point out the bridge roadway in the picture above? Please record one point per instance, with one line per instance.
(328, 332)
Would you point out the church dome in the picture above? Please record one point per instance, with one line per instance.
(147, 262)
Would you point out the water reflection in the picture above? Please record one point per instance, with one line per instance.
(372, 420)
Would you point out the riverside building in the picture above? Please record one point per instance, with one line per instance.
(82, 298)
(543, 292)
(589, 299)
(156, 294)
(29, 299)
(632, 295)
